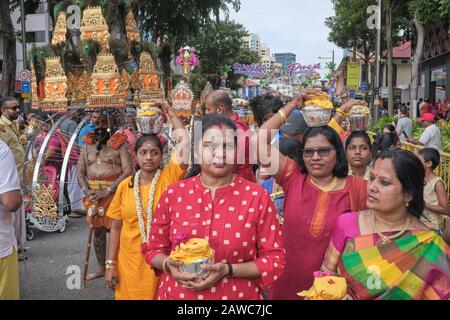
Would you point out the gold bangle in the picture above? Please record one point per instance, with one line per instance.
(282, 116)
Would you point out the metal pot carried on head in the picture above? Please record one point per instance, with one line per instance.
(359, 118)
(149, 125)
(316, 116)
(317, 110)
(149, 119)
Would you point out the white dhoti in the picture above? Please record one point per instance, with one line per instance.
(76, 194)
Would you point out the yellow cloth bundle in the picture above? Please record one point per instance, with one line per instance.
(326, 288)
(192, 251)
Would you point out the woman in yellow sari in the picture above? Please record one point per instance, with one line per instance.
(132, 208)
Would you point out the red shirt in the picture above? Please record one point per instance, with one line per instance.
(244, 168)
(240, 224)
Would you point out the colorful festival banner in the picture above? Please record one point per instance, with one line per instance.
(298, 68)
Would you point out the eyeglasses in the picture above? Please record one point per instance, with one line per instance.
(14, 108)
(322, 152)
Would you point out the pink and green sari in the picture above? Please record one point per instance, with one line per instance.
(415, 266)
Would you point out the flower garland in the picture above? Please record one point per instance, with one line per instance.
(145, 234)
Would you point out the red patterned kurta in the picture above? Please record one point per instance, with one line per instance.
(240, 224)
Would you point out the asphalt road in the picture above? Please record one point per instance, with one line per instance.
(53, 270)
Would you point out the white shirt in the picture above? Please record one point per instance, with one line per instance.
(404, 124)
(9, 181)
(431, 137)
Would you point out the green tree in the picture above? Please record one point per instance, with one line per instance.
(7, 87)
(348, 30)
(397, 23)
(176, 22)
(220, 44)
(331, 66)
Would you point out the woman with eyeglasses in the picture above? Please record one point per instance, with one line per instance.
(317, 191)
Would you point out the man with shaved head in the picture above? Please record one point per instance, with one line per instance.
(219, 102)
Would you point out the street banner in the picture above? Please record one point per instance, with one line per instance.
(353, 72)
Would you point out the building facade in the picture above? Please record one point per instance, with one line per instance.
(435, 67)
(38, 28)
(252, 42)
(285, 59)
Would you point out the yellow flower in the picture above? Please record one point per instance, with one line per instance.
(149, 112)
(363, 110)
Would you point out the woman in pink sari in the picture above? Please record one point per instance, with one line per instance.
(386, 252)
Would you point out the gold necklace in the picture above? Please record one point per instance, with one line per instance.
(386, 239)
(327, 188)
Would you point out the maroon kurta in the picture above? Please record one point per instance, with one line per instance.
(244, 168)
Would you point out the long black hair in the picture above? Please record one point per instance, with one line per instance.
(341, 167)
(358, 134)
(262, 105)
(411, 174)
(207, 122)
(384, 141)
(139, 143)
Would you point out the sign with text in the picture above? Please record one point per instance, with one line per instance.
(298, 68)
(24, 75)
(249, 69)
(353, 73)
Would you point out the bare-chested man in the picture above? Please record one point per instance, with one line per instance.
(104, 162)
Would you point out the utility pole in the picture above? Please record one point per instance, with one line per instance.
(328, 58)
(24, 33)
(377, 101)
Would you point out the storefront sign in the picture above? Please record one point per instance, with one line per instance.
(298, 68)
(249, 69)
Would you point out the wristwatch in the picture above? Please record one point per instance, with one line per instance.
(110, 264)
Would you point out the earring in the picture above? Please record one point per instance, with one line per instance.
(407, 204)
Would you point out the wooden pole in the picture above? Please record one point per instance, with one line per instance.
(88, 253)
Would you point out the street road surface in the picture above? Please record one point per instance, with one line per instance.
(50, 256)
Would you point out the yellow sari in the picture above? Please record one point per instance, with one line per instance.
(137, 280)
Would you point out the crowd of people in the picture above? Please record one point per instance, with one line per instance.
(330, 202)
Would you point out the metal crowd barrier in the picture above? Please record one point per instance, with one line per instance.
(443, 170)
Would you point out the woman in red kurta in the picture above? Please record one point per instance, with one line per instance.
(317, 192)
(236, 216)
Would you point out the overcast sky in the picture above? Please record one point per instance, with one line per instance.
(295, 26)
